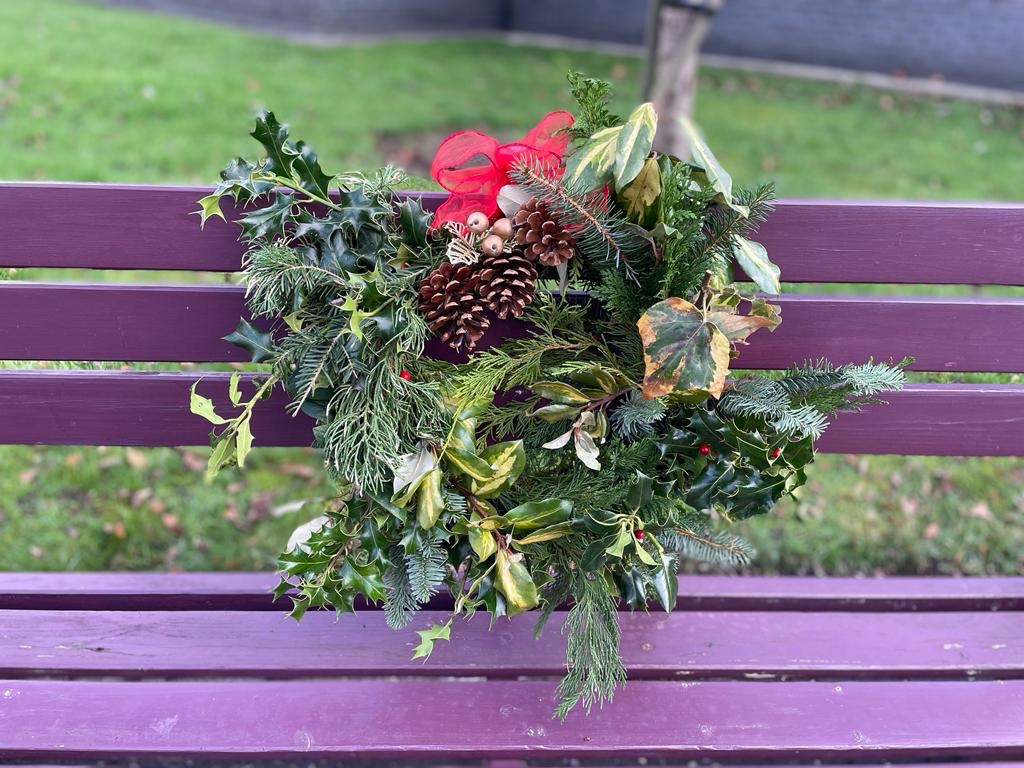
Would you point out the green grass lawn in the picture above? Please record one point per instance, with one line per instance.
(95, 94)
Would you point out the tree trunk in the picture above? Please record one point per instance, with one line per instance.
(676, 34)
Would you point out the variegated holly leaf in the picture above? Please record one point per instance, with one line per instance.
(753, 259)
(705, 159)
(591, 165)
(507, 461)
(513, 580)
(638, 198)
(633, 144)
(683, 351)
(430, 502)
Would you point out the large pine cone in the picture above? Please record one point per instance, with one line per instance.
(540, 236)
(451, 306)
(507, 283)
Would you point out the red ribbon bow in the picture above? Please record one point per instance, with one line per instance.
(475, 187)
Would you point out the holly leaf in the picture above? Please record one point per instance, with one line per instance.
(513, 580)
(274, 138)
(306, 167)
(507, 461)
(538, 514)
(683, 351)
(413, 221)
(429, 502)
(591, 165)
(633, 144)
(259, 345)
(638, 198)
(243, 439)
(753, 259)
(429, 636)
(203, 406)
(209, 206)
(705, 159)
(270, 221)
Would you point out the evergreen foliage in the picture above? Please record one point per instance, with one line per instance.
(572, 463)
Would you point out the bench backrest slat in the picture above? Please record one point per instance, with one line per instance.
(151, 228)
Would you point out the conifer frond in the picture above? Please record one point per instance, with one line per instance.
(592, 658)
(425, 569)
(693, 539)
(636, 416)
(602, 235)
(592, 97)
(400, 605)
(275, 274)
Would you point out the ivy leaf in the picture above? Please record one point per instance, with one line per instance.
(591, 165)
(633, 144)
(539, 514)
(737, 327)
(203, 406)
(513, 580)
(683, 351)
(753, 259)
(638, 198)
(429, 636)
(259, 345)
(507, 461)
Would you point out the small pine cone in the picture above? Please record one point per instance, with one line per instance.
(541, 237)
(453, 310)
(507, 283)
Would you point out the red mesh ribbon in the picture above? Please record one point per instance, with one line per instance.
(475, 187)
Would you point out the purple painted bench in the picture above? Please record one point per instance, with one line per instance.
(110, 666)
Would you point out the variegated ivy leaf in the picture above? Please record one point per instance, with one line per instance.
(753, 259)
(683, 351)
(633, 144)
(507, 461)
(723, 312)
(591, 165)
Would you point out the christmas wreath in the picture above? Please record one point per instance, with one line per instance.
(524, 397)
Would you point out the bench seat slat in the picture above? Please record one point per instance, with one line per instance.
(656, 645)
(505, 719)
(150, 409)
(216, 591)
(176, 323)
(68, 225)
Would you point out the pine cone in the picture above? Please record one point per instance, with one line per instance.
(540, 236)
(507, 283)
(451, 306)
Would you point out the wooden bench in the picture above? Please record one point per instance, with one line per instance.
(108, 666)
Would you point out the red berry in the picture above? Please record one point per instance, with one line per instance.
(639, 534)
(704, 449)
(776, 453)
(406, 375)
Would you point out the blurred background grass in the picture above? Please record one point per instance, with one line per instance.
(96, 94)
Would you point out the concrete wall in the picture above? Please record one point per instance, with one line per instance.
(971, 41)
